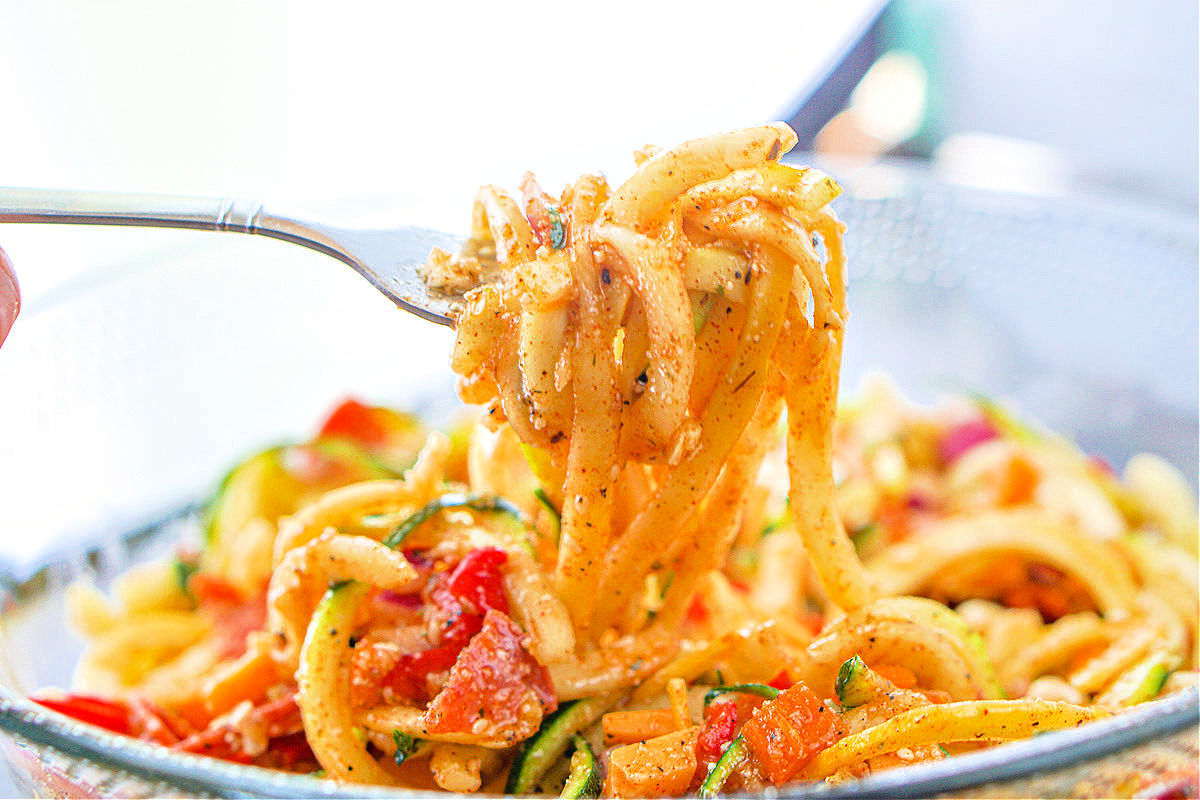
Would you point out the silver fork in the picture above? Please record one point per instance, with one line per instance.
(387, 257)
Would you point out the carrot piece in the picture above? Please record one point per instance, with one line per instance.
(785, 733)
(659, 767)
(627, 727)
(247, 678)
(1020, 481)
(898, 676)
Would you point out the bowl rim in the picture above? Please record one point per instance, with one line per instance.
(25, 720)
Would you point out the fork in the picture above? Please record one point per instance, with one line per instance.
(388, 258)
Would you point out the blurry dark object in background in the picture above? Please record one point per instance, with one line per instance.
(1061, 99)
(886, 96)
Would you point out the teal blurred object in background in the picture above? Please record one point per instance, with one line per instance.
(1066, 96)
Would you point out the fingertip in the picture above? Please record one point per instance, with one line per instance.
(10, 295)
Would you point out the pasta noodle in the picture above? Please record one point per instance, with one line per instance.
(659, 527)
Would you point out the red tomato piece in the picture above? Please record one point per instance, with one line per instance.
(208, 588)
(491, 682)
(720, 725)
(279, 718)
(355, 421)
(289, 752)
(236, 623)
(451, 621)
(154, 724)
(452, 626)
(112, 715)
(456, 612)
(785, 733)
(781, 681)
(479, 580)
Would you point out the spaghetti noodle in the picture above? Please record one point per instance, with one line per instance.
(612, 558)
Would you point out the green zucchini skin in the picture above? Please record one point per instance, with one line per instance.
(485, 504)
(539, 752)
(757, 689)
(724, 767)
(584, 780)
(1144, 681)
(555, 515)
(854, 685)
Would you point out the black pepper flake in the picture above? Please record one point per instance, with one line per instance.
(745, 380)
(606, 276)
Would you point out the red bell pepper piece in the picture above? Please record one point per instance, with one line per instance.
(112, 715)
(355, 421)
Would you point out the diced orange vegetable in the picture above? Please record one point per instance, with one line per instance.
(627, 727)
(898, 676)
(785, 733)
(247, 678)
(1020, 481)
(659, 767)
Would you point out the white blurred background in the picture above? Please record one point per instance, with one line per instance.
(419, 102)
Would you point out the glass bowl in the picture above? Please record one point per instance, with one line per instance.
(135, 392)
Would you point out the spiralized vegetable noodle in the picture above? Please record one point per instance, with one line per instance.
(658, 538)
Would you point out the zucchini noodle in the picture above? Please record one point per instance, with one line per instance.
(657, 538)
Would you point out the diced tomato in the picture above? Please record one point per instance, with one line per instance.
(492, 680)
(355, 421)
(781, 681)
(279, 718)
(236, 623)
(208, 588)
(478, 579)
(720, 726)
(453, 623)
(785, 733)
(457, 605)
(112, 715)
(288, 753)
(697, 612)
(154, 724)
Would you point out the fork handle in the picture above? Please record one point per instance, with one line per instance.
(117, 208)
